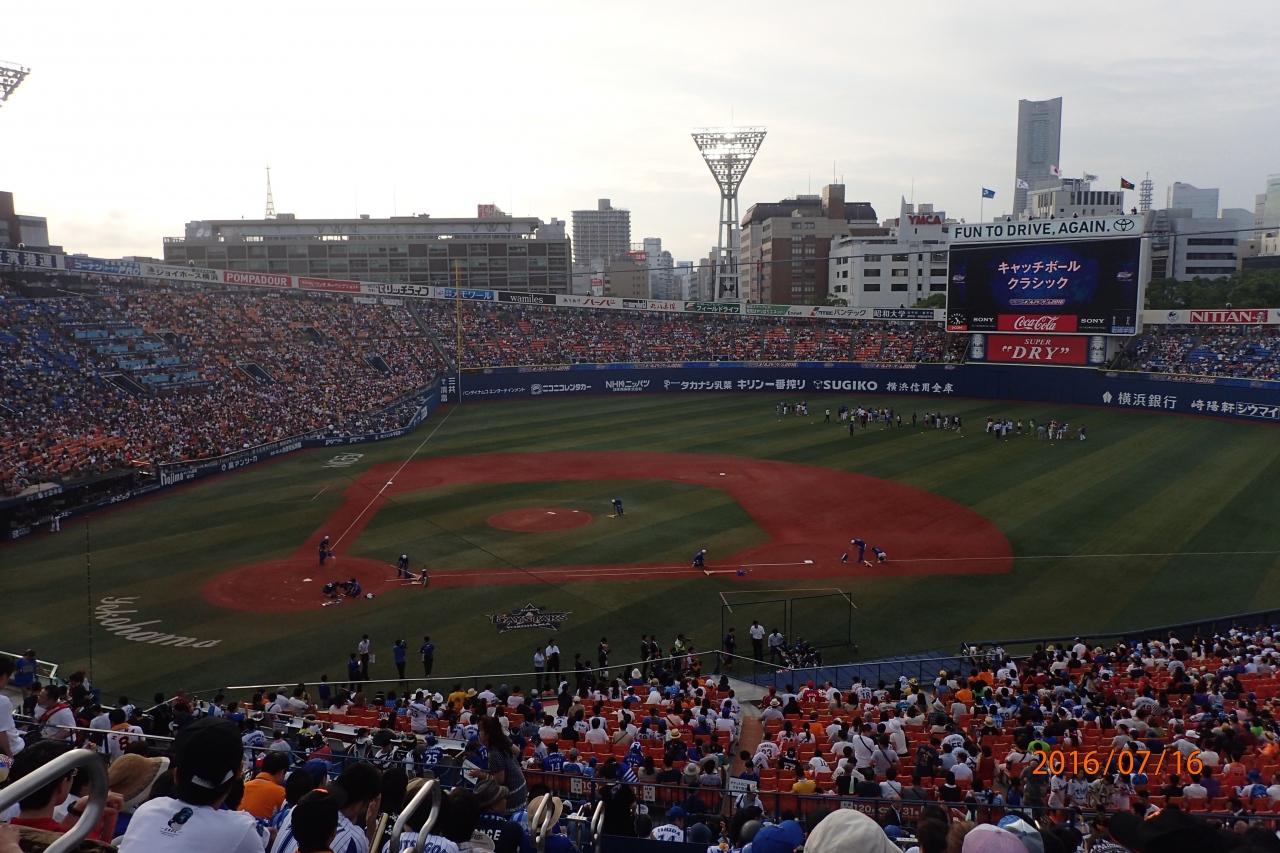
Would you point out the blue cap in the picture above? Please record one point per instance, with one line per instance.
(675, 812)
(783, 838)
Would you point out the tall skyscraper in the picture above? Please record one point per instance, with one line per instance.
(601, 235)
(1039, 147)
(1268, 203)
(1201, 201)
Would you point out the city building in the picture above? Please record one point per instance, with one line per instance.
(1070, 198)
(1185, 247)
(1039, 147)
(625, 277)
(1201, 201)
(783, 246)
(500, 252)
(1267, 204)
(683, 277)
(702, 284)
(600, 235)
(662, 281)
(895, 265)
(16, 229)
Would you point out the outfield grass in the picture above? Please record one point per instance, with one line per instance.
(1142, 484)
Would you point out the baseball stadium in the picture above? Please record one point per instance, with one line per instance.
(863, 534)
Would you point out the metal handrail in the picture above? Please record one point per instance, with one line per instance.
(76, 759)
(430, 789)
(536, 819)
(597, 825)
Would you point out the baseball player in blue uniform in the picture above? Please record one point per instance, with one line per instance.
(700, 559)
(617, 507)
(881, 556)
(326, 550)
(402, 568)
(862, 551)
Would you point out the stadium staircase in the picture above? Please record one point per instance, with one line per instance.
(126, 384)
(430, 336)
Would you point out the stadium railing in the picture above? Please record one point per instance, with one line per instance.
(445, 683)
(46, 671)
(889, 670)
(1207, 626)
(78, 760)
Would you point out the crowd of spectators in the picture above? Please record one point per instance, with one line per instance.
(1251, 352)
(500, 334)
(1155, 745)
(238, 370)
(120, 373)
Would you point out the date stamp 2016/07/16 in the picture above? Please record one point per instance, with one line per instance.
(1094, 762)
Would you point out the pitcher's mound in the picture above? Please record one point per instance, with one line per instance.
(539, 519)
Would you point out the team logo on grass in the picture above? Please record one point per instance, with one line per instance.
(529, 616)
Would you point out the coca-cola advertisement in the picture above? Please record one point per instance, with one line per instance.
(1037, 349)
(1037, 323)
(1066, 287)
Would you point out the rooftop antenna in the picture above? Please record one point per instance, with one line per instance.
(1145, 190)
(271, 203)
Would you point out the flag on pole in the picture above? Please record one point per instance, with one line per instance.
(1055, 171)
(1022, 184)
(1089, 177)
(986, 193)
(1126, 184)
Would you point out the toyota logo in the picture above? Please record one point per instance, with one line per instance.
(1124, 224)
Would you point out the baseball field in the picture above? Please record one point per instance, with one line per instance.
(1154, 519)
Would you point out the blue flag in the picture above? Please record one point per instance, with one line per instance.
(986, 193)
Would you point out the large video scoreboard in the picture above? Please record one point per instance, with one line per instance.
(1068, 276)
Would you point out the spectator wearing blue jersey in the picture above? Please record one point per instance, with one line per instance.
(554, 760)
(358, 794)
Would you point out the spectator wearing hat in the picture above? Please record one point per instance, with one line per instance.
(673, 828)
(132, 776)
(507, 835)
(360, 786)
(785, 837)
(206, 758)
(264, 793)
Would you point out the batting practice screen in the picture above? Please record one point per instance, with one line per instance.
(1067, 287)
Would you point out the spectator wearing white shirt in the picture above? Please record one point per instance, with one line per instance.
(597, 733)
(54, 714)
(206, 760)
(891, 788)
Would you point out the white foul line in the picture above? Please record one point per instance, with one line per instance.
(1092, 556)
(387, 484)
(319, 493)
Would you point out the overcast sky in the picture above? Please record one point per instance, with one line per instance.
(138, 117)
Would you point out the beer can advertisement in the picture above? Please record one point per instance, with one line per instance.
(1070, 287)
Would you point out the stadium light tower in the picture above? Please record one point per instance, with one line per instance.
(728, 152)
(11, 77)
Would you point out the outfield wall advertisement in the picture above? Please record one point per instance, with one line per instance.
(919, 387)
